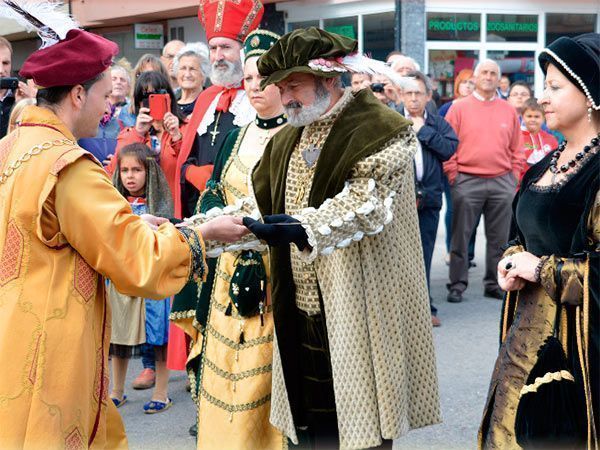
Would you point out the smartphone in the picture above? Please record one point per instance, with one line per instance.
(159, 105)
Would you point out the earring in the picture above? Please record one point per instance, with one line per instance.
(590, 114)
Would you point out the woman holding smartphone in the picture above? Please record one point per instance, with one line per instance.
(163, 135)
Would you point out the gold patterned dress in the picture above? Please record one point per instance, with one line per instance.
(230, 360)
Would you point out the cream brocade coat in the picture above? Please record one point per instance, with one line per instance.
(367, 255)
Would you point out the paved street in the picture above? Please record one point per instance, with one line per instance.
(466, 345)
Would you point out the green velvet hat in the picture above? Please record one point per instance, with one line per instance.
(258, 42)
(296, 51)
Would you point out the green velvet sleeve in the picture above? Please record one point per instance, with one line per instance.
(213, 195)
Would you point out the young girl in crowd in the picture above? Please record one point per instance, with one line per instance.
(164, 136)
(537, 142)
(136, 321)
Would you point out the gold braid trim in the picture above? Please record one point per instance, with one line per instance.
(237, 376)
(234, 345)
(564, 328)
(231, 408)
(548, 378)
(222, 308)
(509, 296)
(223, 275)
(34, 151)
(586, 386)
(586, 342)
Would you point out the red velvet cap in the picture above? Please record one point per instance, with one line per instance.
(78, 58)
(233, 19)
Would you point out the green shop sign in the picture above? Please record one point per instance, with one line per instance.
(512, 27)
(452, 25)
(463, 25)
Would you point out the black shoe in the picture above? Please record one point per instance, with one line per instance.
(472, 264)
(496, 293)
(454, 296)
(194, 430)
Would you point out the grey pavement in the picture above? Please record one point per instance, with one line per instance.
(466, 346)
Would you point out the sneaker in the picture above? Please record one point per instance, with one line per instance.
(145, 380)
(472, 264)
(454, 296)
(496, 293)
(435, 321)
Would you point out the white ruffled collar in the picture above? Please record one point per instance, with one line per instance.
(241, 109)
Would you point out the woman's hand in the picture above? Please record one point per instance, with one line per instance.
(516, 269)
(144, 120)
(171, 124)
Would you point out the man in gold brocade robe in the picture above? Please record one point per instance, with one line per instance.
(63, 228)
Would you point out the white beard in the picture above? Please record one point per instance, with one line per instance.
(305, 115)
(226, 76)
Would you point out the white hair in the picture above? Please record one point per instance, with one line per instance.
(487, 61)
(123, 70)
(412, 60)
(197, 49)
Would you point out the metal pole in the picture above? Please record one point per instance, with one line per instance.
(398, 26)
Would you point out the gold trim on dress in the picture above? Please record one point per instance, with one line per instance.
(237, 376)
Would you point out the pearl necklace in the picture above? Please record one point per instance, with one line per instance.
(573, 162)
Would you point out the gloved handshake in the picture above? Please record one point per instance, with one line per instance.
(277, 230)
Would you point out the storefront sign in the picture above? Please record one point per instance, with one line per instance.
(149, 35)
(512, 27)
(344, 30)
(452, 25)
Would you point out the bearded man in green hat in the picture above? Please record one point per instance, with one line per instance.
(353, 363)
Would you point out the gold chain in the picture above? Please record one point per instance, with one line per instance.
(36, 150)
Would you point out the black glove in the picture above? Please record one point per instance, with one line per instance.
(276, 234)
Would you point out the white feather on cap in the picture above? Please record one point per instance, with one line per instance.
(359, 63)
(45, 18)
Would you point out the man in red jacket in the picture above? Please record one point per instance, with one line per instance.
(222, 106)
(483, 173)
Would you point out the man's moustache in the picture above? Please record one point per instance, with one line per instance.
(294, 105)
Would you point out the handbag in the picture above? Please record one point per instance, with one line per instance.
(248, 287)
(551, 412)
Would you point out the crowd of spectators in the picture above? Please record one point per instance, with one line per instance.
(472, 149)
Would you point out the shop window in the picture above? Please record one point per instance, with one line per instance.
(517, 65)
(511, 28)
(378, 34)
(453, 27)
(306, 24)
(346, 26)
(558, 25)
(444, 65)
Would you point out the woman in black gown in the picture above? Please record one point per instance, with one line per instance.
(551, 267)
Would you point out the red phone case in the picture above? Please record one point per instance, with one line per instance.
(159, 105)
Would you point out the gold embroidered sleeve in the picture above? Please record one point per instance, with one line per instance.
(562, 278)
(512, 250)
(98, 223)
(365, 205)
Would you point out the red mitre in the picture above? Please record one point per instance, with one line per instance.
(233, 19)
(76, 59)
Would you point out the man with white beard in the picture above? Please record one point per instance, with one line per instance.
(218, 110)
(353, 363)
(224, 105)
